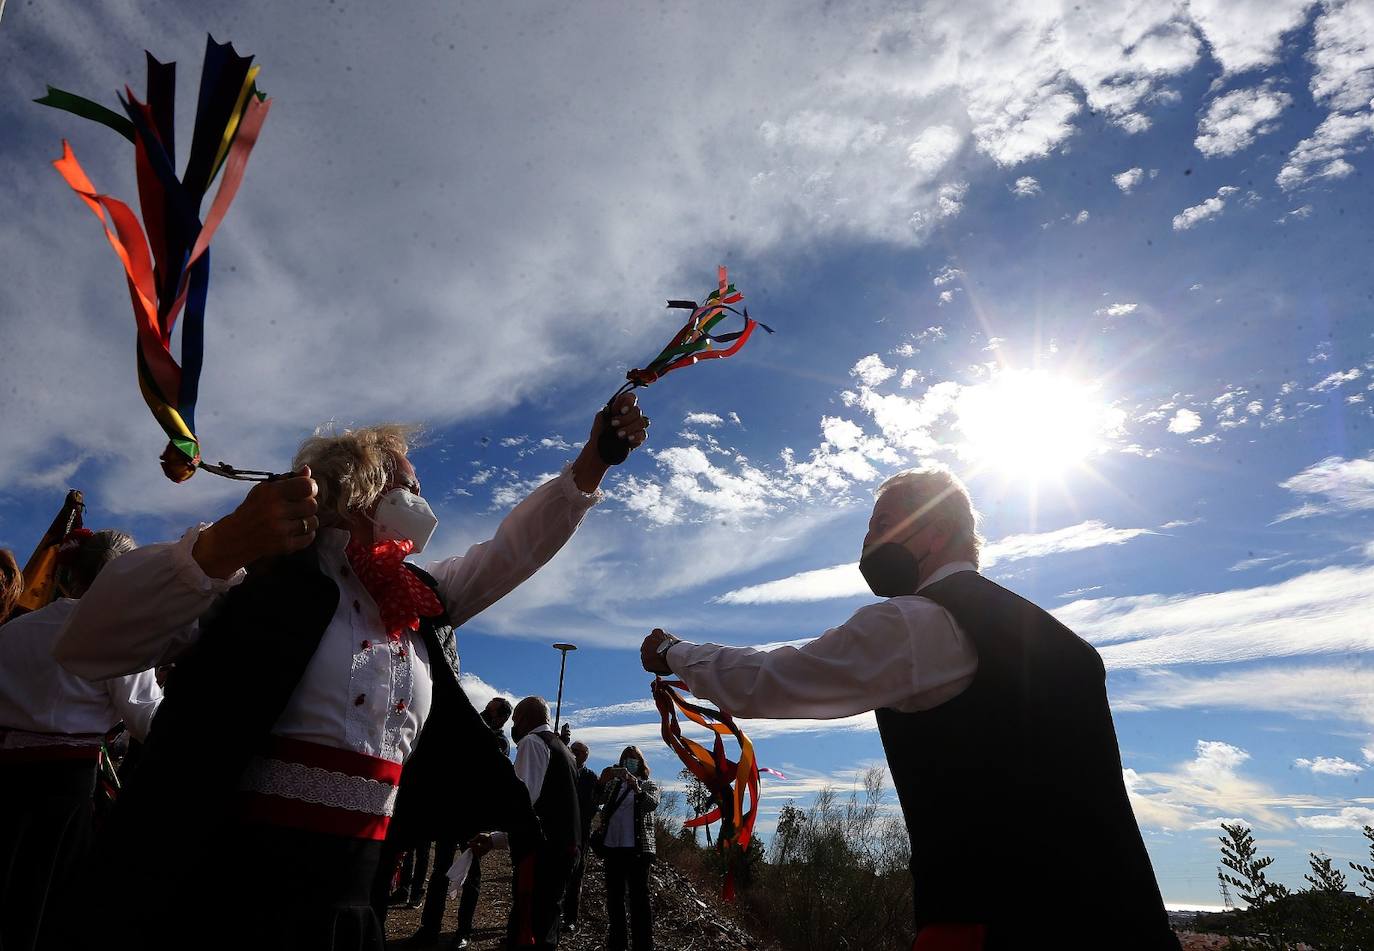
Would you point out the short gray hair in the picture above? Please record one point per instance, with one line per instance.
(92, 553)
(354, 467)
(936, 492)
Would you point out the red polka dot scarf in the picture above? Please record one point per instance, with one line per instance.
(401, 597)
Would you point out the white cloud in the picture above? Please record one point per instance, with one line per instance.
(871, 370)
(1081, 217)
(932, 150)
(946, 297)
(1245, 34)
(1093, 533)
(910, 378)
(829, 156)
(1334, 692)
(1210, 208)
(1329, 766)
(1322, 154)
(734, 418)
(1202, 792)
(821, 584)
(1321, 612)
(1117, 310)
(583, 715)
(1343, 56)
(1337, 379)
(1185, 421)
(844, 581)
(1344, 484)
(702, 419)
(1349, 817)
(1129, 179)
(1025, 187)
(947, 274)
(1235, 119)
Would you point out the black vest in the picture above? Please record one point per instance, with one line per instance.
(1012, 791)
(557, 807)
(218, 712)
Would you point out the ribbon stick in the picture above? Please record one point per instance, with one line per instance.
(729, 782)
(166, 258)
(694, 342)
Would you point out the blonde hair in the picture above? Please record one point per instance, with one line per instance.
(354, 467)
(936, 492)
(11, 583)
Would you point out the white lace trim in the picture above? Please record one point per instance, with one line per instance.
(23, 740)
(575, 495)
(323, 787)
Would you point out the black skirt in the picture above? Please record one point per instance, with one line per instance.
(45, 840)
(255, 888)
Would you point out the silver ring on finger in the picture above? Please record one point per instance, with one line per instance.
(305, 526)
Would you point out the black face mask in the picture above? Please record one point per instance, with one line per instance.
(890, 569)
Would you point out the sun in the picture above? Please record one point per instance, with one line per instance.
(1033, 424)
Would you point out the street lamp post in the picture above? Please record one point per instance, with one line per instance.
(562, 666)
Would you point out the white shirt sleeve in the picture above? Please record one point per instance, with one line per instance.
(905, 653)
(531, 763)
(527, 538)
(135, 699)
(142, 611)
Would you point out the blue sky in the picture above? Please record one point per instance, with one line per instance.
(1110, 264)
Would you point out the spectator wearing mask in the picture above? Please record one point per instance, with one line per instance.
(52, 725)
(586, 806)
(547, 768)
(629, 798)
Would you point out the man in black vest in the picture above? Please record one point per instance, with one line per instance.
(546, 766)
(989, 709)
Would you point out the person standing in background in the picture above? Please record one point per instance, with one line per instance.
(629, 798)
(586, 805)
(546, 767)
(52, 726)
(495, 715)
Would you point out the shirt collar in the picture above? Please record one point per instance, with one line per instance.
(944, 571)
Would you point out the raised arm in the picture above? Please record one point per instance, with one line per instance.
(143, 608)
(535, 529)
(904, 652)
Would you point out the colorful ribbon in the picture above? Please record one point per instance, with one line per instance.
(695, 341)
(728, 781)
(168, 271)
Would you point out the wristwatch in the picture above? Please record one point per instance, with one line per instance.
(667, 646)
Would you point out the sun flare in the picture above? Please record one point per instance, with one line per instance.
(1033, 424)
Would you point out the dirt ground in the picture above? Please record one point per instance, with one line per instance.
(683, 919)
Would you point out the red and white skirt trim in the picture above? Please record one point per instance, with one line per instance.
(322, 789)
(21, 747)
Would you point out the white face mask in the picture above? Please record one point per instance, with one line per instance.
(404, 516)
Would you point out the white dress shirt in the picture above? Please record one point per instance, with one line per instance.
(38, 696)
(360, 691)
(906, 653)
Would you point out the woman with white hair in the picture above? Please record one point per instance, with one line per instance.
(52, 725)
(315, 696)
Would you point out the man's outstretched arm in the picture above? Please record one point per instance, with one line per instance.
(905, 653)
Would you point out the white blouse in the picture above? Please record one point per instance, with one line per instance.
(37, 695)
(360, 691)
(906, 653)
